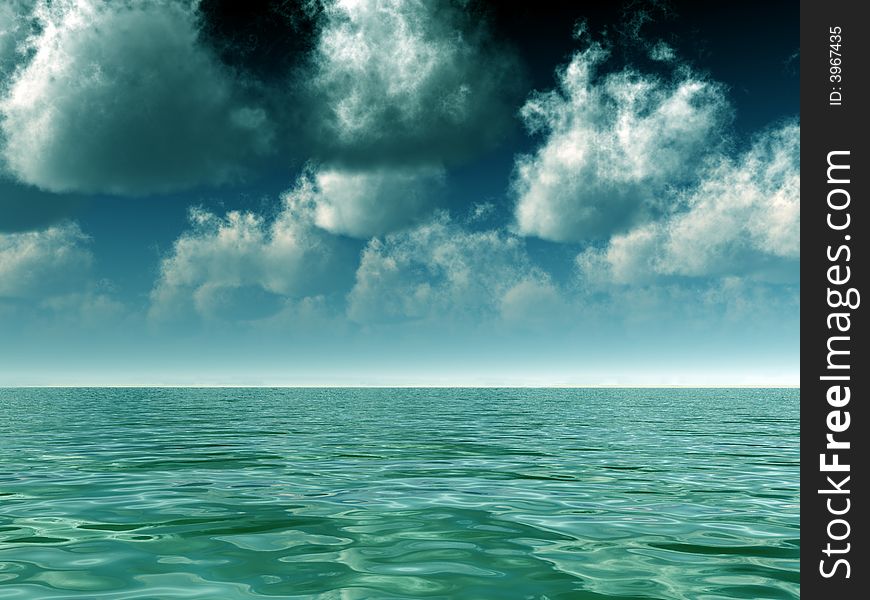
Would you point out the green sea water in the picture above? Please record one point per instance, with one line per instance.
(399, 493)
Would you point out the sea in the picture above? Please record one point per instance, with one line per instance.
(365, 493)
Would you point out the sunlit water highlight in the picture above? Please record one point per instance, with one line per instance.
(399, 493)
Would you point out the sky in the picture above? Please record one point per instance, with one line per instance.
(399, 192)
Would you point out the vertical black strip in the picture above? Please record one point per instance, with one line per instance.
(834, 372)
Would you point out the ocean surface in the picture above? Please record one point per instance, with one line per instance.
(588, 494)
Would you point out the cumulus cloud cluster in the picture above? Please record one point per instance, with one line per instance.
(393, 91)
(641, 170)
(219, 266)
(387, 81)
(741, 218)
(441, 270)
(634, 167)
(612, 146)
(435, 270)
(632, 170)
(121, 98)
(135, 98)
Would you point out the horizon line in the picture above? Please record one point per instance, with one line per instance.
(408, 386)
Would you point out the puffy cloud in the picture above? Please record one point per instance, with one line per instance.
(407, 81)
(613, 144)
(742, 218)
(245, 266)
(440, 270)
(37, 264)
(119, 97)
(373, 202)
(752, 205)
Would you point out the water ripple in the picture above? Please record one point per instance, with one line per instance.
(540, 494)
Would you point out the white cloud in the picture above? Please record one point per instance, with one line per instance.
(36, 264)
(234, 264)
(440, 270)
(613, 144)
(751, 205)
(120, 98)
(742, 218)
(403, 81)
(373, 202)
